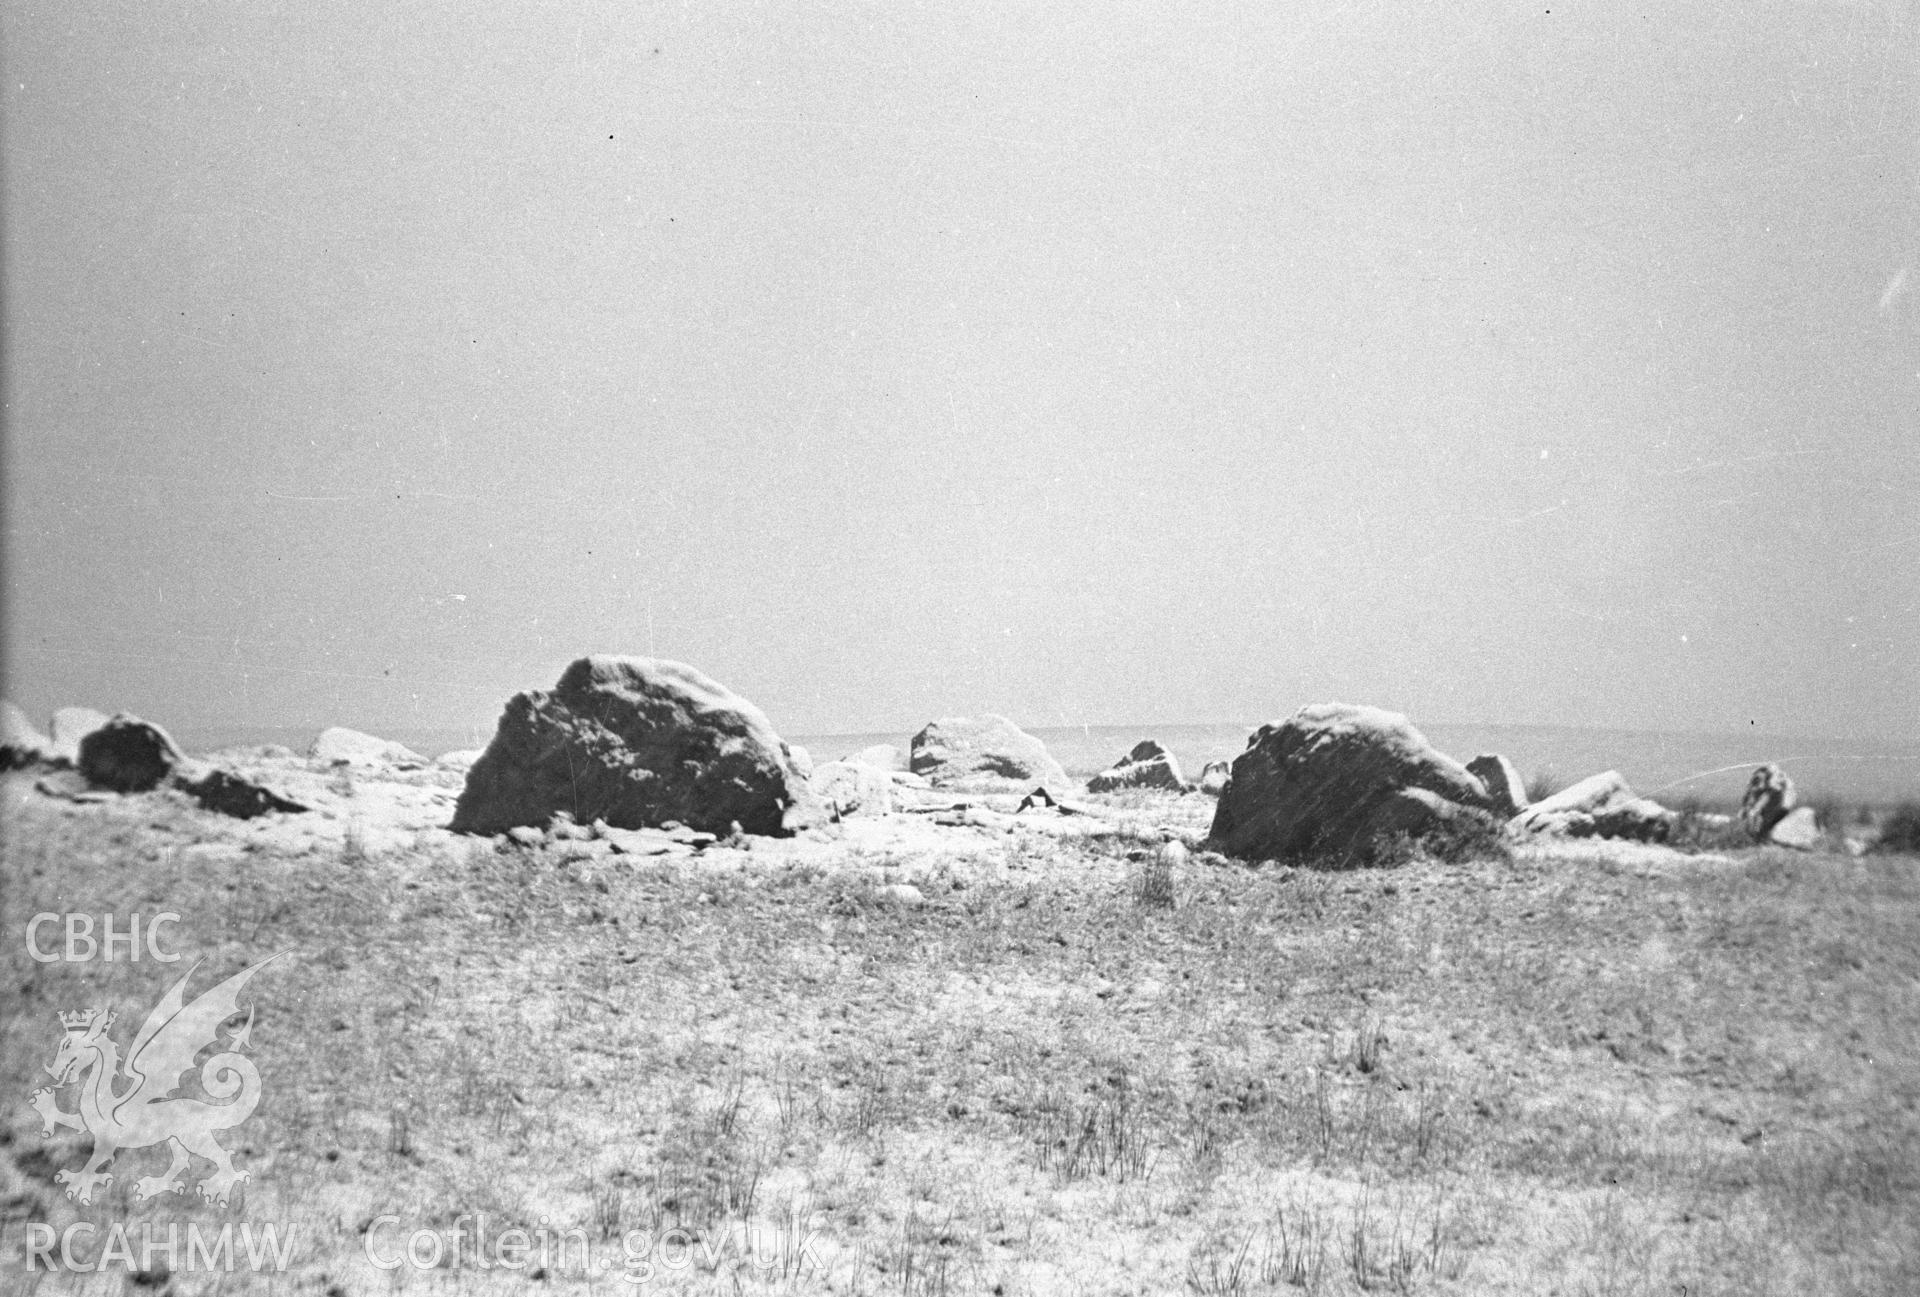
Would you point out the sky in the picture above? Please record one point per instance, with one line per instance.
(1091, 364)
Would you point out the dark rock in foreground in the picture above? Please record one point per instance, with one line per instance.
(223, 790)
(983, 749)
(1599, 806)
(1333, 781)
(1148, 766)
(637, 742)
(128, 755)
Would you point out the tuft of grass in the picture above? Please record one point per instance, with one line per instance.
(1544, 783)
(1697, 828)
(1153, 882)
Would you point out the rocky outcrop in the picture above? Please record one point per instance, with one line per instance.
(1330, 782)
(128, 755)
(637, 742)
(850, 788)
(800, 759)
(70, 725)
(1501, 778)
(1148, 766)
(1599, 806)
(339, 746)
(459, 759)
(20, 743)
(985, 750)
(1769, 797)
(1214, 776)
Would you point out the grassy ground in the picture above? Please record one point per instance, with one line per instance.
(1585, 1071)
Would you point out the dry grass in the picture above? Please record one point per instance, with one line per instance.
(1582, 1074)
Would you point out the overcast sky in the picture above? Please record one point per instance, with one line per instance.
(1545, 363)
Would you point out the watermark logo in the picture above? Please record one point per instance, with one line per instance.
(127, 1104)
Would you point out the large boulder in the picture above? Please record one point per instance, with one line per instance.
(984, 749)
(1501, 778)
(70, 725)
(852, 788)
(1214, 776)
(20, 743)
(1599, 806)
(340, 746)
(1148, 766)
(129, 755)
(1770, 795)
(1334, 779)
(637, 742)
(881, 756)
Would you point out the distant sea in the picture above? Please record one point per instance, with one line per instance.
(1669, 766)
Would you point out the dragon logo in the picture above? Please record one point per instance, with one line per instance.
(141, 1115)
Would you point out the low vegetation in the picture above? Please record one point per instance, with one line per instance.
(1900, 830)
(1075, 1067)
(1544, 783)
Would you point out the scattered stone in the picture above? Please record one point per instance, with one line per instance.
(985, 749)
(1214, 776)
(70, 725)
(1599, 806)
(881, 756)
(1798, 828)
(20, 743)
(129, 755)
(851, 788)
(563, 828)
(230, 793)
(907, 779)
(527, 835)
(905, 894)
(800, 759)
(1501, 778)
(635, 742)
(341, 746)
(1040, 797)
(653, 842)
(1148, 766)
(1331, 780)
(72, 785)
(1769, 797)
